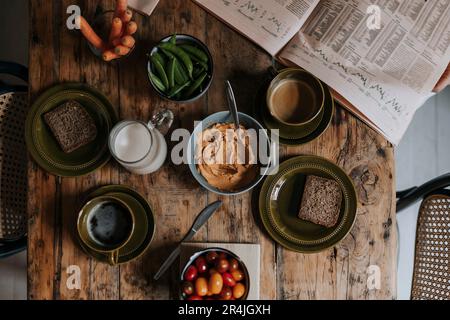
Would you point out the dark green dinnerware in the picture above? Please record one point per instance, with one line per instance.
(279, 204)
(44, 147)
(141, 240)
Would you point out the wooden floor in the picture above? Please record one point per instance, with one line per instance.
(423, 154)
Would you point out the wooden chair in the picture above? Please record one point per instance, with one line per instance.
(13, 162)
(431, 278)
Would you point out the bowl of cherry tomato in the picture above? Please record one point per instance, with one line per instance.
(214, 274)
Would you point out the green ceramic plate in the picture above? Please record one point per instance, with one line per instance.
(261, 113)
(280, 198)
(127, 253)
(45, 149)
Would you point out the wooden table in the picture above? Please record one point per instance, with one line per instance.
(58, 55)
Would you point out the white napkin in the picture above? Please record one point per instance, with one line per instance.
(143, 6)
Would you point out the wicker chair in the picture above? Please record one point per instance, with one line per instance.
(431, 278)
(13, 162)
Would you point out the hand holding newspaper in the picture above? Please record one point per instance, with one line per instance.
(383, 58)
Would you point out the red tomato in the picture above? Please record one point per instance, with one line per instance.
(222, 265)
(226, 293)
(187, 288)
(201, 287)
(190, 274)
(211, 257)
(200, 263)
(228, 279)
(234, 264)
(238, 275)
(191, 298)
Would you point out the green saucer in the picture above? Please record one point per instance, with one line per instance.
(43, 146)
(139, 244)
(261, 114)
(280, 198)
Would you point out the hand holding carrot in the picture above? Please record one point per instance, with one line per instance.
(444, 81)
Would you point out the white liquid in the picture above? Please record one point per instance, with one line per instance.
(132, 142)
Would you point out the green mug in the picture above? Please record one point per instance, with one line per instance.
(105, 225)
(295, 100)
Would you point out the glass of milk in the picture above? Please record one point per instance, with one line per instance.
(138, 146)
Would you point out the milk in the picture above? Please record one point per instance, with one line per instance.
(137, 147)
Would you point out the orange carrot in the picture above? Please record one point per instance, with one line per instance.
(128, 41)
(116, 29)
(116, 42)
(121, 50)
(126, 16)
(131, 28)
(90, 34)
(109, 55)
(121, 7)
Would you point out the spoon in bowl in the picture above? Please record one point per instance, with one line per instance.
(232, 104)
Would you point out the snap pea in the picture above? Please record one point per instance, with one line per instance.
(177, 89)
(171, 73)
(173, 39)
(180, 75)
(196, 84)
(167, 53)
(198, 71)
(203, 64)
(156, 81)
(194, 51)
(159, 58)
(160, 70)
(181, 54)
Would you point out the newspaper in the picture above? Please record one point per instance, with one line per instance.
(143, 6)
(269, 23)
(384, 71)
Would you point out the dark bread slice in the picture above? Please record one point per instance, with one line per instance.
(321, 201)
(71, 125)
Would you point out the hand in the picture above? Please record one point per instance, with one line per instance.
(444, 81)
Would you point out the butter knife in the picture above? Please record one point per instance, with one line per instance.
(201, 219)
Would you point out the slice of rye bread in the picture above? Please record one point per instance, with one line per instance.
(321, 201)
(71, 125)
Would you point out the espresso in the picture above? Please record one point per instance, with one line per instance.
(293, 101)
(109, 224)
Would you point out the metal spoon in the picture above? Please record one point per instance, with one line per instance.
(232, 103)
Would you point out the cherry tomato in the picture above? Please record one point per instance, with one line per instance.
(212, 270)
(200, 263)
(223, 255)
(228, 279)
(194, 298)
(226, 293)
(215, 283)
(238, 275)
(222, 265)
(238, 290)
(201, 287)
(187, 288)
(211, 257)
(191, 273)
(234, 264)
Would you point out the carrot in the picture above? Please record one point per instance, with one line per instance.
(131, 28)
(90, 34)
(126, 16)
(109, 55)
(121, 50)
(128, 41)
(116, 29)
(121, 7)
(116, 42)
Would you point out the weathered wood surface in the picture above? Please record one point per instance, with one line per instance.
(57, 54)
